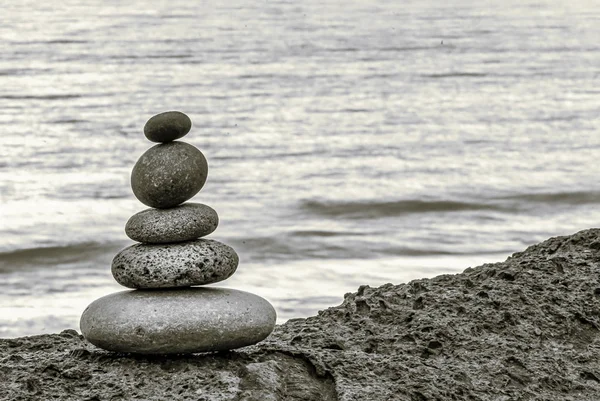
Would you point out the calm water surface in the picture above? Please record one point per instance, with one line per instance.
(349, 143)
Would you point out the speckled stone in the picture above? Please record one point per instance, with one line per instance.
(177, 320)
(197, 262)
(168, 126)
(181, 223)
(169, 174)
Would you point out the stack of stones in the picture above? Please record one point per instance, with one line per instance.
(165, 314)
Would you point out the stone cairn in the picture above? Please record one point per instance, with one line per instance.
(165, 313)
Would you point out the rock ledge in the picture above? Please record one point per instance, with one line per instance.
(523, 329)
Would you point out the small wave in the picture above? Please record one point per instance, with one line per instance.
(85, 193)
(456, 75)
(402, 49)
(259, 76)
(262, 247)
(47, 42)
(481, 32)
(68, 121)
(151, 56)
(272, 156)
(177, 16)
(560, 118)
(334, 111)
(11, 71)
(378, 76)
(391, 49)
(364, 210)
(406, 251)
(54, 255)
(355, 111)
(327, 245)
(320, 233)
(286, 247)
(40, 97)
(569, 198)
(64, 41)
(341, 49)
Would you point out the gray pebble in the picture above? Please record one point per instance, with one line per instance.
(168, 126)
(177, 321)
(169, 174)
(181, 223)
(197, 262)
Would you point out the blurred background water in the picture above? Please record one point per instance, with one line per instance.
(349, 142)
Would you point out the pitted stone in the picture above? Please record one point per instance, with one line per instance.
(197, 262)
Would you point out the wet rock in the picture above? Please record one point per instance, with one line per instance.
(197, 262)
(181, 223)
(168, 174)
(167, 126)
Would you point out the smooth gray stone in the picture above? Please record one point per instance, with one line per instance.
(177, 320)
(169, 174)
(197, 262)
(167, 126)
(180, 223)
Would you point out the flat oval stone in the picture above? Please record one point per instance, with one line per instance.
(169, 174)
(176, 321)
(180, 223)
(168, 126)
(197, 262)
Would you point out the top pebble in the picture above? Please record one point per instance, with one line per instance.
(168, 126)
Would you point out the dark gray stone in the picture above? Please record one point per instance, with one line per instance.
(169, 174)
(177, 321)
(197, 262)
(167, 126)
(181, 223)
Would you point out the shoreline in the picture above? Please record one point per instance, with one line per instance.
(526, 328)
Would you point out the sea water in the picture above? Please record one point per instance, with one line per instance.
(348, 142)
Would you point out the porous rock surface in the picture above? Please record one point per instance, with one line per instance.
(523, 329)
(183, 264)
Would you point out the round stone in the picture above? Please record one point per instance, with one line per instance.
(169, 174)
(180, 223)
(177, 321)
(197, 262)
(168, 126)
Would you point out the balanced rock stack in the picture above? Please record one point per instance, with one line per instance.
(164, 314)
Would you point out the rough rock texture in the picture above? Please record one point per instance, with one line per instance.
(177, 321)
(167, 126)
(181, 223)
(168, 174)
(524, 329)
(197, 262)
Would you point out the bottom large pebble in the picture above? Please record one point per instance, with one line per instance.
(177, 321)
